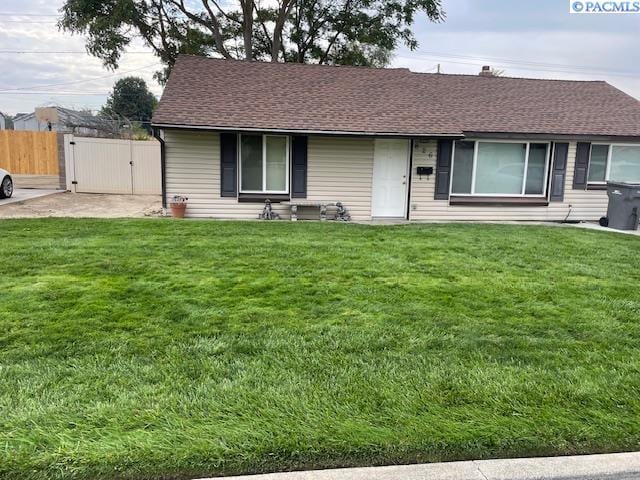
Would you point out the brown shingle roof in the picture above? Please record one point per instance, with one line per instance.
(204, 92)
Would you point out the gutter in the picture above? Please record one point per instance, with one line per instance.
(551, 136)
(157, 135)
(344, 133)
(430, 136)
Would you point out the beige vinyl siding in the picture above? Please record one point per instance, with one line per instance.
(585, 205)
(338, 169)
(341, 169)
(192, 162)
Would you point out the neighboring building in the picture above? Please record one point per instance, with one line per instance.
(62, 120)
(390, 143)
(3, 121)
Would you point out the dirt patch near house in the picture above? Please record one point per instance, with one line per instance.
(85, 205)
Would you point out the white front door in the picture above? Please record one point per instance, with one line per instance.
(390, 172)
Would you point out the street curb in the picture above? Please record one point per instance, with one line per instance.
(623, 466)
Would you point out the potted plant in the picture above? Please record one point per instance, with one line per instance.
(178, 206)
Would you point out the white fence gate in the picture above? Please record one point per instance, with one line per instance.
(104, 165)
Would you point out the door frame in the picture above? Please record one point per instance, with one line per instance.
(405, 213)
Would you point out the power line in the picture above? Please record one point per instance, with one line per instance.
(51, 93)
(507, 60)
(3, 90)
(506, 63)
(88, 94)
(106, 93)
(9, 14)
(524, 66)
(547, 67)
(27, 21)
(48, 52)
(33, 90)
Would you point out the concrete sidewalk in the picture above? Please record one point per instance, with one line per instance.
(625, 466)
(24, 194)
(595, 226)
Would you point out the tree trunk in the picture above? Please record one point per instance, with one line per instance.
(247, 26)
(283, 12)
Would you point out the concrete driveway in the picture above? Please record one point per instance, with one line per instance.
(23, 194)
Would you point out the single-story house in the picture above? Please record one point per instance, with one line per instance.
(61, 120)
(5, 121)
(391, 143)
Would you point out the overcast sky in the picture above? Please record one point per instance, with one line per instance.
(524, 38)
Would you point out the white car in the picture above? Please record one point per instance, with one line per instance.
(6, 184)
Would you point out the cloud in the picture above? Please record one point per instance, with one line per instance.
(533, 39)
(503, 33)
(74, 80)
(527, 16)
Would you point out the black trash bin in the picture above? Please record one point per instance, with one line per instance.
(624, 205)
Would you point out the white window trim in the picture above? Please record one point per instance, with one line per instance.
(264, 165)
(524, 180)
(607, 170)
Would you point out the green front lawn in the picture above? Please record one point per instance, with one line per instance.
(144, 349)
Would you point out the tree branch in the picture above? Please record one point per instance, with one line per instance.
(224, 14)
(339, 30)
(283, 12)
(314, 27)
(213, 26)
(313, 31)
(264, 28)
(163, 32)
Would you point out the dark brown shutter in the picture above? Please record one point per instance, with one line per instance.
(299, 167)
(228, 165)
(582, 166)
(558, 171)
(443, 169)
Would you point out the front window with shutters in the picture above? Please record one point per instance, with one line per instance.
(264, 163)
(500, 168)
(615, 162)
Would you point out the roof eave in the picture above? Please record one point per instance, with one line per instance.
(306, 131)
(432, 135)
(552, 136)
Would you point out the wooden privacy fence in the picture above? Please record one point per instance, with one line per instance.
(29, 153)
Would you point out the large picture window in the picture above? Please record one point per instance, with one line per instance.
(618, 163)
(499, 168)
(264, 164)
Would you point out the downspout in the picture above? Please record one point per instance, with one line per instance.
(411, 147)
(157, 135)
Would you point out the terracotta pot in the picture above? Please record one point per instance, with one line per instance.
(177, 209)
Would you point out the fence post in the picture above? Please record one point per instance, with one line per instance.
(62, 162)
(69, 166)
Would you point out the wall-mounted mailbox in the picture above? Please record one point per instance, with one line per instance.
(425, 171)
